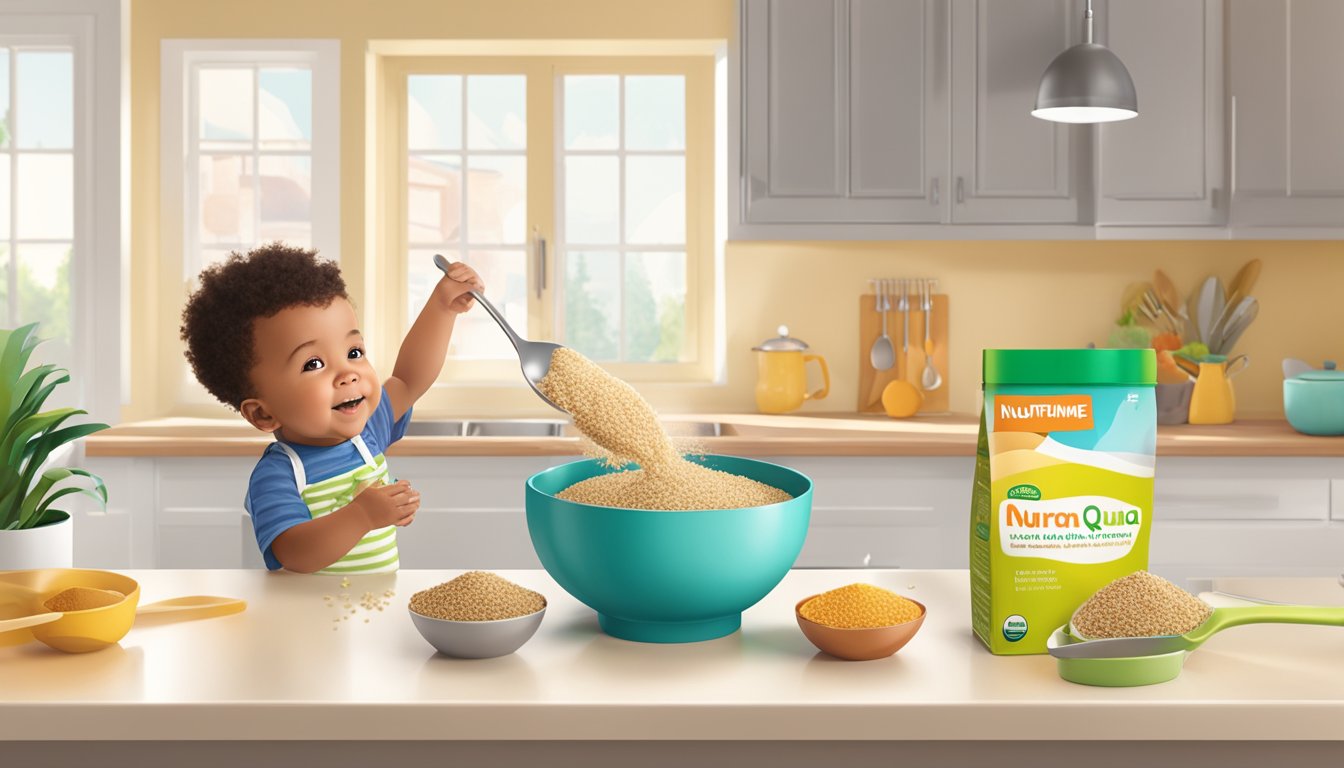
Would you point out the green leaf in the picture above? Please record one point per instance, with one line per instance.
(17, 440)
(15, 347)
(45, 444)
(28, 511)
(30, 405)
(11, 493)
(92, 493)
(51, 516)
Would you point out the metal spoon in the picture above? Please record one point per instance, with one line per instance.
(535, 356)
(883, 353)
(931, 378)
(903, 305)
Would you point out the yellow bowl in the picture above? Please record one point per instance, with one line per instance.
(863, 643)
(76, 631)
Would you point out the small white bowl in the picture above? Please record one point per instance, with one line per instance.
(477, 639)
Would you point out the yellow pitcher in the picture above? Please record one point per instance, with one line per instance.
(781, 383)
(1213, 401)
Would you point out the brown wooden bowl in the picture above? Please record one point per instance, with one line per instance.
(861, 644)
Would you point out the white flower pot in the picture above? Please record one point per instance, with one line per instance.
(46, 546)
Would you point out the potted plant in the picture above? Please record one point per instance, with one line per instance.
(33, 533)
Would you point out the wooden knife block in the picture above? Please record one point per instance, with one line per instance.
(872, 382)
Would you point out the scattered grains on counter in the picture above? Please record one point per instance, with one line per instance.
(625, 428)
(477, 596)
(1141, 604)
(859, 606)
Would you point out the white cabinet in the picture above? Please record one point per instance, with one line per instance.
(1165, 167)
(845, 111)
(886, 512)
(1212, 516)
(1246, 516)
(472, 512)
(1286, 91)
(894, 112)
(1007, 166)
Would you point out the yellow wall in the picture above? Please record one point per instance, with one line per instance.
(1026, 294)
(1004, 294)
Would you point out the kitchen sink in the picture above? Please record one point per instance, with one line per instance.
(486, 428)
(543, 428)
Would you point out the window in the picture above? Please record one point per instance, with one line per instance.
(580, 189)
(251, 149)
(61, 147)
(37, 174)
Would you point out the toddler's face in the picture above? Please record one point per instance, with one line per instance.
(313, 379)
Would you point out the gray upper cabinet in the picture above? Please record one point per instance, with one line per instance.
(845, 117)
(1165, 167)
(1007, 166)
(1286, 92)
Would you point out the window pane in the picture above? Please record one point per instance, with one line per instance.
(44, 288)
(655, 199)
(212, 256)
(224, 98)
(496, 112)
(286, 104)
(434, 111)
(592, 200)
(286, 199)
(44, 109)
(434, 198)
(655, 307)
(496, 199)
(227, 200)
(4, 197)
(592, 304)
(592, 111)
(655, 112)
(5, 125)
(476, 335)
(4, 285)
(46, 186)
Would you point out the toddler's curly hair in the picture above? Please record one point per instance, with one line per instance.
(218, 321)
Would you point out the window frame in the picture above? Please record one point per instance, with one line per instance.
(180, 168)
(544, 197)
(99, 257)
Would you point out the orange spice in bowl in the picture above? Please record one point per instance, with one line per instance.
(859, 622)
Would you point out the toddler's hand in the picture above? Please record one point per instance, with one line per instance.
(453, 287)
(385, 505)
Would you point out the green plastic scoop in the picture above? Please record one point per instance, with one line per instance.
(1222, 618)
(1134, 661)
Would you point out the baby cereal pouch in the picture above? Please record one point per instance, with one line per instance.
(1063, 495)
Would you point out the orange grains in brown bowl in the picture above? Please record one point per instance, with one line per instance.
(859, 622)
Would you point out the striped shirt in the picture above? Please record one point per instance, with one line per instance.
(273, 498)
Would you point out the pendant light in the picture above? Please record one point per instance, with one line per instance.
(1086, 84)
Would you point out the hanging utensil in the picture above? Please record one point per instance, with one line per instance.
(1234, 321)
(904, 306)
(1209, 307)
(882, 355)
(931, 379)
(1243, 281)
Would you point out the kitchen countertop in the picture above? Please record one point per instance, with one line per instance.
(279, 671)
(743, 435)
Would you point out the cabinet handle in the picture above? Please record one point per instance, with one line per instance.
(541, 263)
(1232, 183)
(933, 191)
(961, 189)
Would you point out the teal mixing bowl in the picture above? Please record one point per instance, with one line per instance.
(668, 577)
